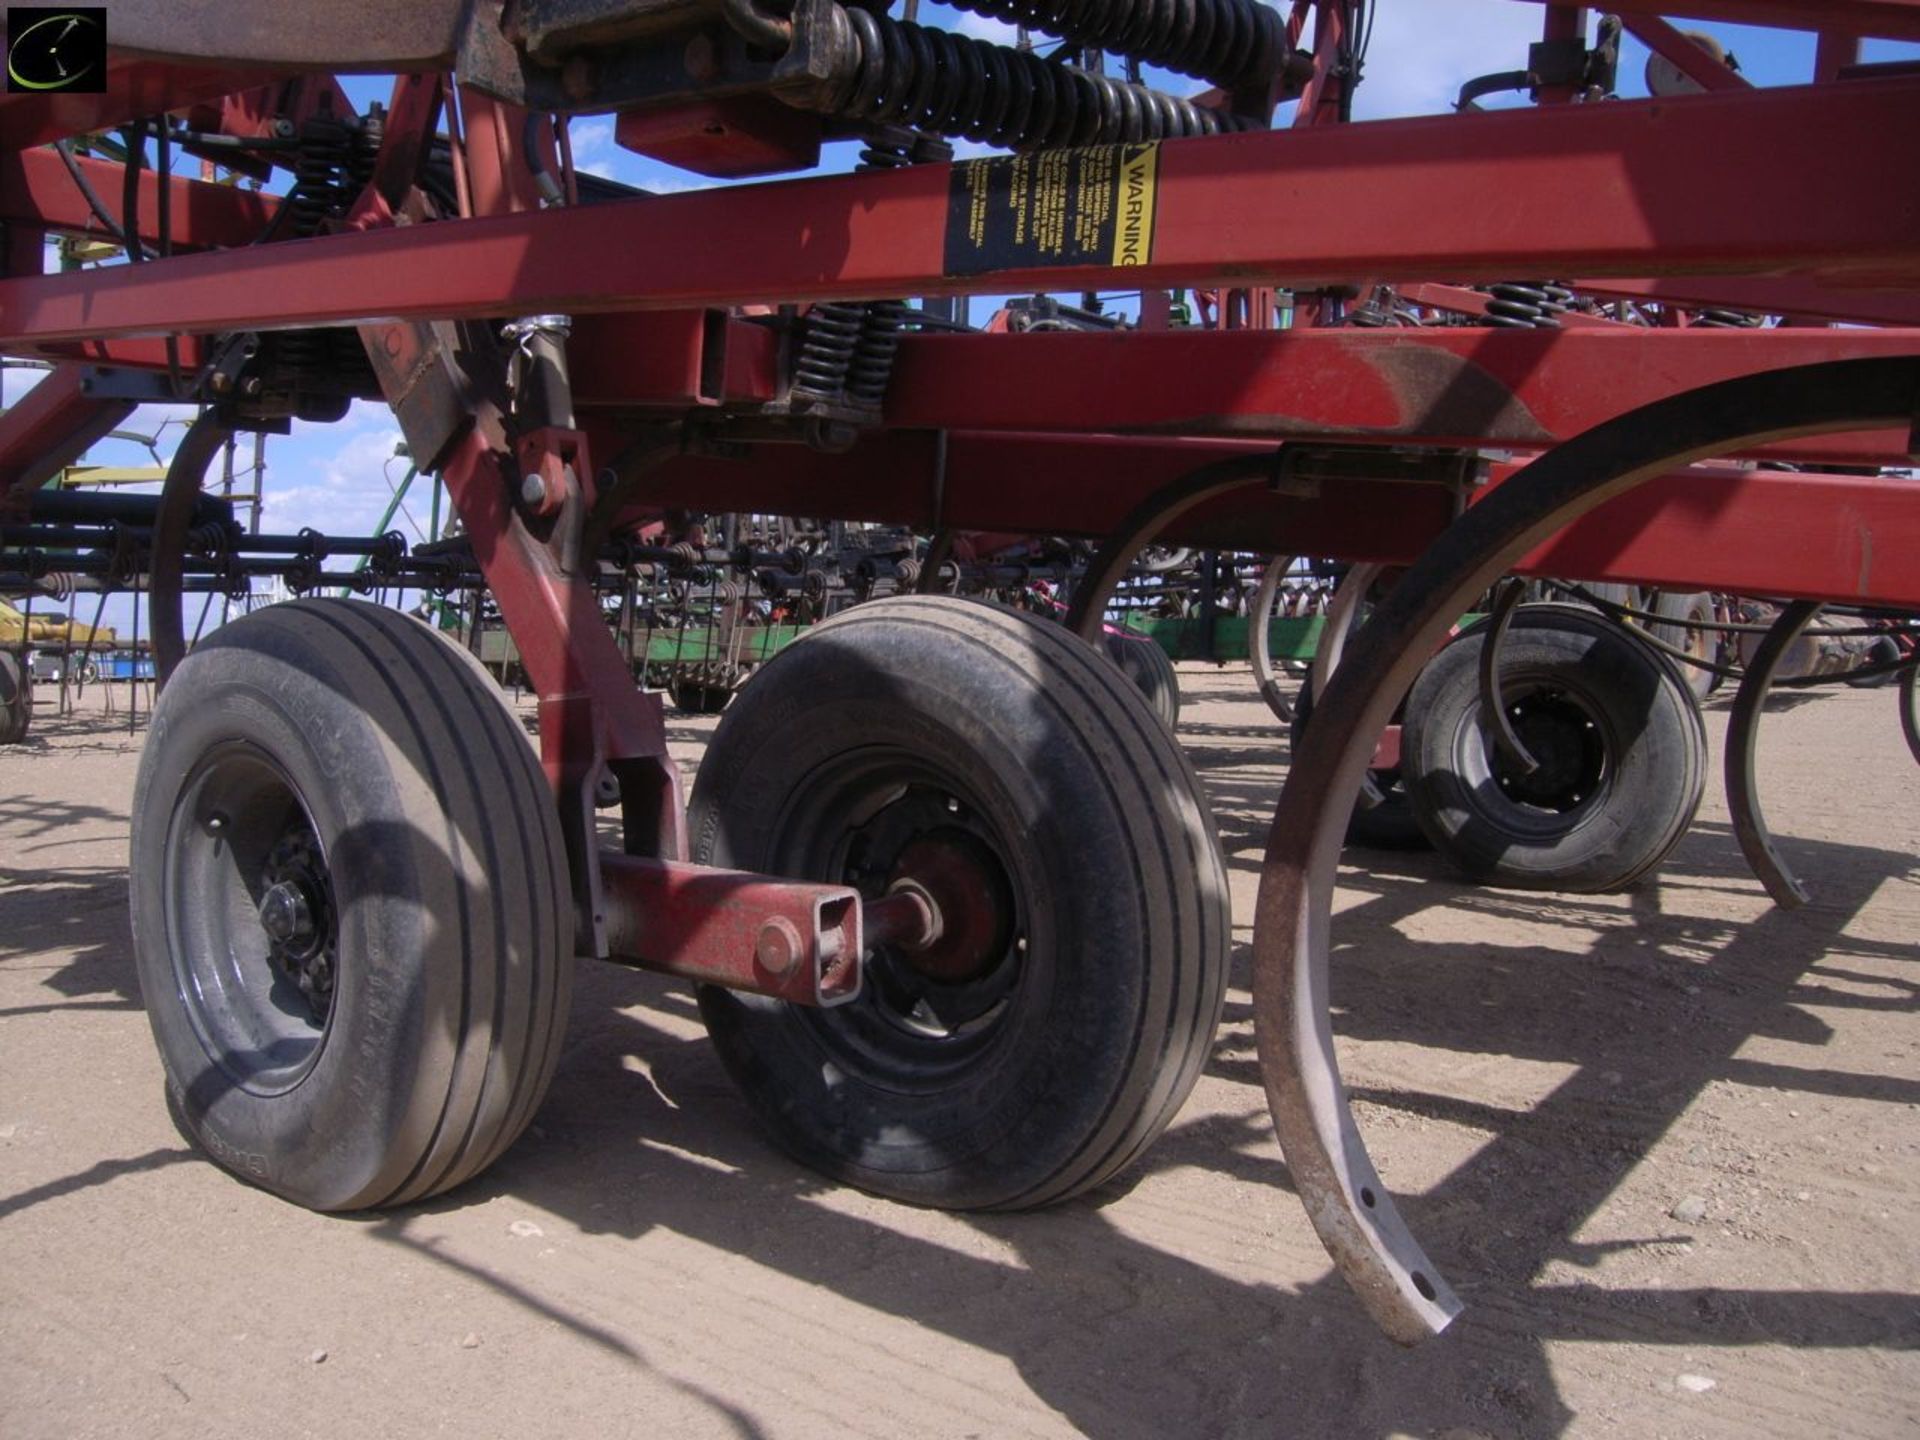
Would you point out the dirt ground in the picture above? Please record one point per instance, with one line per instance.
(1664, 1143)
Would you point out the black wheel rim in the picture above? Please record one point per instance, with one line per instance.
(252, 924)
(865, 820)
(1565, 732)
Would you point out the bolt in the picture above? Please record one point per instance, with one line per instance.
(284, 913)
(533, 491)
(777, 950)
(216, 822)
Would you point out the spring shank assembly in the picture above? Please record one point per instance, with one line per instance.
(901, 73)
(1230, 42)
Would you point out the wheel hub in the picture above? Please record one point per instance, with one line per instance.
(1566, 744)
(296, 913)
(925, 838)
(974, 923)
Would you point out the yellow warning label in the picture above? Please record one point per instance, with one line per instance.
(1091, 206)
(1133, 236)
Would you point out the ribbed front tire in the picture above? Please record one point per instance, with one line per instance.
(1063, 1018)
(350, 906)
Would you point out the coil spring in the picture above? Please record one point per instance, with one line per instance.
(871, 368)
(322, 171)
(295, 358)
(1726, 320)
(906, 74)
(210, 539)
(875, 352)
(1515, 306)
(1230, 42)
(828, 339)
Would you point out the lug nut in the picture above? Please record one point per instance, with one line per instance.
(284, 914)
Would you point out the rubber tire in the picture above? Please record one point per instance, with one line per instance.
(1654, 740)
(1695, 607)
(1116, 1001)
(1881, 650)
(1143, 662)
(1388, 825)
(16, 699)
(455, 924)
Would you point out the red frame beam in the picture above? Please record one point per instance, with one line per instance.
(1847, 538)
(134, 87)
(1640, 188)
(1454, 387)
(1826, 537)
(51, 426)
(35, 189)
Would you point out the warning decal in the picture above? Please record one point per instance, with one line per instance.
(1091, 206)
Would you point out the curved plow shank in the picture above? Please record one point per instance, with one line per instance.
(1356, 1219)
(1743, 739)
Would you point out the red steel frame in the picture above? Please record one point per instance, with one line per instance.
(1798, 201)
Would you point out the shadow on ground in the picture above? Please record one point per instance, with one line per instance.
(1125, 1339)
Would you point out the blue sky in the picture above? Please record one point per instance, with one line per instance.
(339, 478)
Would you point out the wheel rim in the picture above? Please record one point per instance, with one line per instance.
(881, 820)
(1566, 734)
(251, 920)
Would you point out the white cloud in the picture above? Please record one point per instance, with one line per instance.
(677, 184)
(589, 137)
(338, 479)
(360, 415)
